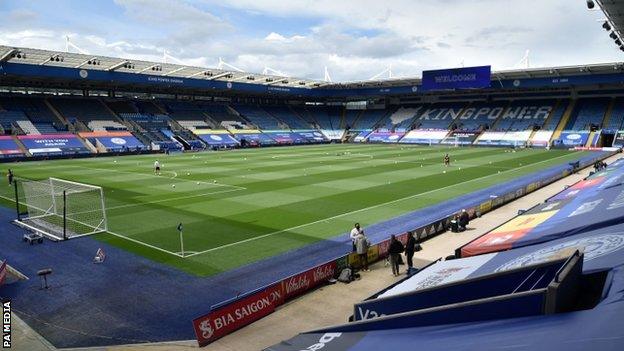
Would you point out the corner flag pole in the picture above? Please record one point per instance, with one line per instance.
(181, 239)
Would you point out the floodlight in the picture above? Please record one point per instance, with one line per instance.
(590, 4)
(606, 25)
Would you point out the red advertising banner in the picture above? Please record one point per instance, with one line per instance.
(3, 272)
(383, 248)
(229, 318)
(305, 281)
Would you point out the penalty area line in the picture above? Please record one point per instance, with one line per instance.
(145, 244)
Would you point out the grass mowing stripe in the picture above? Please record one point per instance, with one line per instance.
(360, 210)
(279, 196)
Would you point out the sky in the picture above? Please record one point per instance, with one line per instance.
(354, 39)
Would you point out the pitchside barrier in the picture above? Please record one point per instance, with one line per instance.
(231, 315)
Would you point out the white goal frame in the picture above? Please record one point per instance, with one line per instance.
(48, 207)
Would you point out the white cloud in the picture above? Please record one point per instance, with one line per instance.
(355, 39)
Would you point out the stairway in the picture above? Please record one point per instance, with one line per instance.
(590, 139)
(21, 145)
(607, 116)
(58, 115)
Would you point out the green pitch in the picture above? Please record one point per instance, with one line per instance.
(244, 205)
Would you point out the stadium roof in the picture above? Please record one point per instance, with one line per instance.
(105, 63)
(193, 79)
(546, 72)
(614, 11)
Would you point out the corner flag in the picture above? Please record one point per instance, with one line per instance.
(181, 239)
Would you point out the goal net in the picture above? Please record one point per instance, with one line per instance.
(61, 209)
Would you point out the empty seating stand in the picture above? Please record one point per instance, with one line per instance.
(369, 119)
(8, 120)
(557, 114)
(183, 110)
(525, 114)
(287, 116)
(33, 107)
(85, 110)
(588, 112)
(400, 119)
(256, 115)
(221, 113)
(480, 115)
(153, 128)
(327, 117)
(616, 118)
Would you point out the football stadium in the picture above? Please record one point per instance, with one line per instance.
(171, 204)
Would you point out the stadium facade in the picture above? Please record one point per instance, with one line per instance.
(58, 103)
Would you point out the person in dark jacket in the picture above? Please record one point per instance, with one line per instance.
(464, 219)
(10, 177)
(395, 249)
(410, 247)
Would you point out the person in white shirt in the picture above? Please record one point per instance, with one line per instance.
(354, 233)
(157, 167)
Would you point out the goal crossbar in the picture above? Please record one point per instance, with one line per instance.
(61, 209)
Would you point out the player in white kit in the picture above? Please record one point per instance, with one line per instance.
(157, 167)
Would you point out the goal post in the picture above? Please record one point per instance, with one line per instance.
(61, 209)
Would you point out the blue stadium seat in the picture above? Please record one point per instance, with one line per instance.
(256, 115)
(287, 116)
(438, 116)
(480, 115)
(617, 115)
(370, 119)
(525, 114)
(551, 124)
(588, 112)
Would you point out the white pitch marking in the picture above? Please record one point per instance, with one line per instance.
(172, 199)
(362, 209)
(145, 244)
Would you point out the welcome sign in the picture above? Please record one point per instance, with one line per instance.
(457, 78)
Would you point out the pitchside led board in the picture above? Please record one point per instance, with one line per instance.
(457, 78)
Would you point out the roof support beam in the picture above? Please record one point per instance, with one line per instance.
(117, 65)
(277, 81)
(7, 55)
(52, 57)
(174, 71)
(86, 61)
(198, 73)
(219, 75)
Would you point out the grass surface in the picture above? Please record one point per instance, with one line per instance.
(241, 206)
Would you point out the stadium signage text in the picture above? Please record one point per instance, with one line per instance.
(325, 339)
(226, 319)
(165, 80)
(457, 78)
(280, 89)
(304, 281)
(367, 314)
(6, 324)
